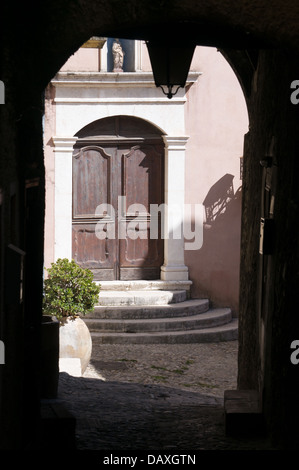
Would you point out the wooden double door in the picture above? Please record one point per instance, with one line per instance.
(115, 185)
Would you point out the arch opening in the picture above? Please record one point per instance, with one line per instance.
(102, 127)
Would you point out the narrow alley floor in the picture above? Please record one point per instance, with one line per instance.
(154, 397)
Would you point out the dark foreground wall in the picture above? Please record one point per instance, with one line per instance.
(268, 287)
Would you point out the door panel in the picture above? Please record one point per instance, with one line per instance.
(142, 185)
(91, 181)
(92, 192)
(92, 253)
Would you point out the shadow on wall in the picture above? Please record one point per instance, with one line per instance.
(216, 272)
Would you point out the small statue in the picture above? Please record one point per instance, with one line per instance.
(118, 56)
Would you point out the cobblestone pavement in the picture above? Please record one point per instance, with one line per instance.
(154, 397)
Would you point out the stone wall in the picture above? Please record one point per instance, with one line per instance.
(268, 319)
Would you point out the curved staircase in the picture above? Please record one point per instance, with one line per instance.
(148, 312)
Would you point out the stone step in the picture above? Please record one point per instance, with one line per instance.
(227, 332)
(210, 319)
(188, 307)
(149, 312)
(157, 284)
(141, 298)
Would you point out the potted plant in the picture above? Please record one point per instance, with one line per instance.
(69, 294)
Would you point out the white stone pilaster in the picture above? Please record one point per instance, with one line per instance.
(63, 150)
(174, 266)
(104, 53)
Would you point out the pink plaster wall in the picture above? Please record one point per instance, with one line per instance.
(216, 121)
(84, 60)
(146, 63)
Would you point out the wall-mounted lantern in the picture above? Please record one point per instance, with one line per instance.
(170, 64)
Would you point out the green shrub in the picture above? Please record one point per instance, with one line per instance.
(69, 290)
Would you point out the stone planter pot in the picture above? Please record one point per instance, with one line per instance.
(75, 346)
